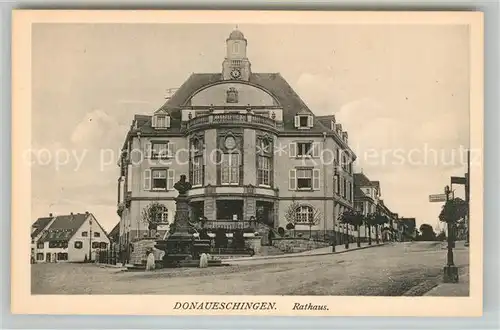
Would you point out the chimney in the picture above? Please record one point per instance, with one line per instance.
(71, 213)
(50, 215)
(87, 212)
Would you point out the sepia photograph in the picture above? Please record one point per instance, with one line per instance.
(235, 158)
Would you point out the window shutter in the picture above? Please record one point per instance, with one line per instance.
(297, 121)
(292, 179)
(170, 179)
(170, 149)
(167, 121)
(316, 148)
(147, 179)
(153, 121)
(292, 149)
(310, 121)
(148, 150)
(316, 175)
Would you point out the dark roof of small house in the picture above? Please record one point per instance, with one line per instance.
(64, 227)
(361, 180)
(358, 193)
(115, 232)
(272, 82)
(40, 225)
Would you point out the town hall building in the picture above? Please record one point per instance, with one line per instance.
(248, 144)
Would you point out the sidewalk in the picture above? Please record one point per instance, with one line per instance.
(460, 289)
(316, 252)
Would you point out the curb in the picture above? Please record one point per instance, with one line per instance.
(422, 288)
(283, 256)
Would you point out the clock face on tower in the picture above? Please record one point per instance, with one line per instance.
(235, 73)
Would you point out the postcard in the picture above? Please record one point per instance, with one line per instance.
(247, 163)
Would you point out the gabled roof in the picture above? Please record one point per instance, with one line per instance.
(274, 83)
(40, 225)
(115, 232)
(361, 180)
(64, 227)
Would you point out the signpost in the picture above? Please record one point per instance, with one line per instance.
(437, 198)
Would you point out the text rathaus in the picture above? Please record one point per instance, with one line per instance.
(250, 147)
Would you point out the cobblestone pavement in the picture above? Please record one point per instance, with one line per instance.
(388, 270)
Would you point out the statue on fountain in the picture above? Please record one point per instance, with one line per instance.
(182, 186)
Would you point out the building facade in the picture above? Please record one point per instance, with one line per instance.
(73, 237)
(250, 147)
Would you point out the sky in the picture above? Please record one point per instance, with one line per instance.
(401, 92)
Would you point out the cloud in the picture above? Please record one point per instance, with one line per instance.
(97, 128)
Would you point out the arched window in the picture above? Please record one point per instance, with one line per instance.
(304, 214)
(236, 48)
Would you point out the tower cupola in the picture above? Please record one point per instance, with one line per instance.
(236, 65)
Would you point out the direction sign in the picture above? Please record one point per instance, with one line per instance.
(437, 198)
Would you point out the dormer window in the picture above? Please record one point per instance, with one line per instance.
(161, 121)
(303, 121)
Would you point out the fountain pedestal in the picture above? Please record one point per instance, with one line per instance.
(181, 247)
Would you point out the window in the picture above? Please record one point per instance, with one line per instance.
(197, 170)
(160, 150)
(103, 245)
(345, 189)
(336, 183)
(230, 168)
(236, 47)
(32, 241)
(304, 214)
(264, 171)
(39, 256)
(159, 179)
(162, 217)
(304, 121)
(78, 244)
(95, 245)
(264, 151)
(304, 148)
(40, 246)
(161, 121)
(85, 234)
(58, 244)
(96, 234)
(197, 162)
(62, 256)
(304, 179)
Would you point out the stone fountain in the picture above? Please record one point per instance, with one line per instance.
(181, 247)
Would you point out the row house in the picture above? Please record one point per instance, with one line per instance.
(251, 148)
(73, 237)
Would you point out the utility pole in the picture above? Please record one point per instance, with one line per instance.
(90, 240)
(467, 196)
(450, 274)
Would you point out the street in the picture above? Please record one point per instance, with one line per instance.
(389, 270)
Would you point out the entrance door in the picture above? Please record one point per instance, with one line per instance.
(265, 213)
(229, 209)
(47, 257)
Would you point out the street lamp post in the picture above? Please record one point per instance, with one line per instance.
(450, 274)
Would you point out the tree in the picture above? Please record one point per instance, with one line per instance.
(379, 220)
(427, 233)
(453, 210)
(151, 215)
(350, 217)
(441, 236)
(314, 220)
(369, 221)
(346, 218)
(291, 215)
